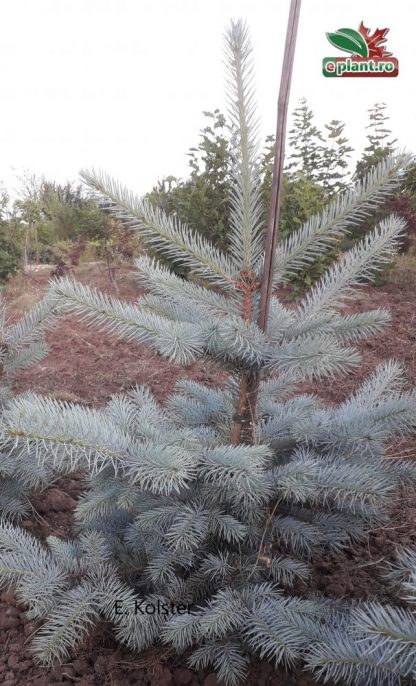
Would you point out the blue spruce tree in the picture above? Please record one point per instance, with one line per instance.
(221, 499)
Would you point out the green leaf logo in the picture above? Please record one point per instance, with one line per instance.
(349, 40)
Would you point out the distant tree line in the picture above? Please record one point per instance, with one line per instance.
(56, 223)
(317, 168)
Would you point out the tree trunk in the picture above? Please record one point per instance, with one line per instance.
(37, 245)
(245, 416)
(26, 246)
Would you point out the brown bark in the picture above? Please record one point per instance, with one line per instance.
(37, 245)
(3, 350)
(244, 418)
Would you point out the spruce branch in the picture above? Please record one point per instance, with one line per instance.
(74, 613)
(162, 282)
(361, 262)
(323, 230)
(177, 340)
(32, 326)
(246, 189)
(164, 233)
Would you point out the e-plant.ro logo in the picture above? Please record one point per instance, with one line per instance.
(369, 57)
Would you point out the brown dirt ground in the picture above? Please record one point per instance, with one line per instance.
(87, 366)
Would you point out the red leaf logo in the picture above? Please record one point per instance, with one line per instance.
(374, 42)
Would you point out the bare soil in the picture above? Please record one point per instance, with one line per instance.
(87, 366)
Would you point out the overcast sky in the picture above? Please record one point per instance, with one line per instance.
(121, 84)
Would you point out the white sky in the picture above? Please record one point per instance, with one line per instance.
(121, 84)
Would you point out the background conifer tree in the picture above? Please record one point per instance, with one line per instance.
(222, 498)
(202, 199)
(380, 144)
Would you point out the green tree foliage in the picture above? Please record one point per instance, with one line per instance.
(50, 213)
(27, 212)
(222, 499)
(335, 159)
(380, 144)
(69, 214)
(306, 144)
(10, 257)
(301, 197)
(321, 157)
(202, 200)
(317, 171)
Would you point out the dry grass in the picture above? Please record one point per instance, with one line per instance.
(26, 288)
(403, 272)
(22, 292)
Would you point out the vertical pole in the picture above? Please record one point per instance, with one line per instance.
(245, 417)
(274, 215)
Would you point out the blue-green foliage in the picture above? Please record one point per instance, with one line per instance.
(22, 345)
(176, 511)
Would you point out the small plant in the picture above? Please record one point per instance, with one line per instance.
(66, 256)
(201, 515)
